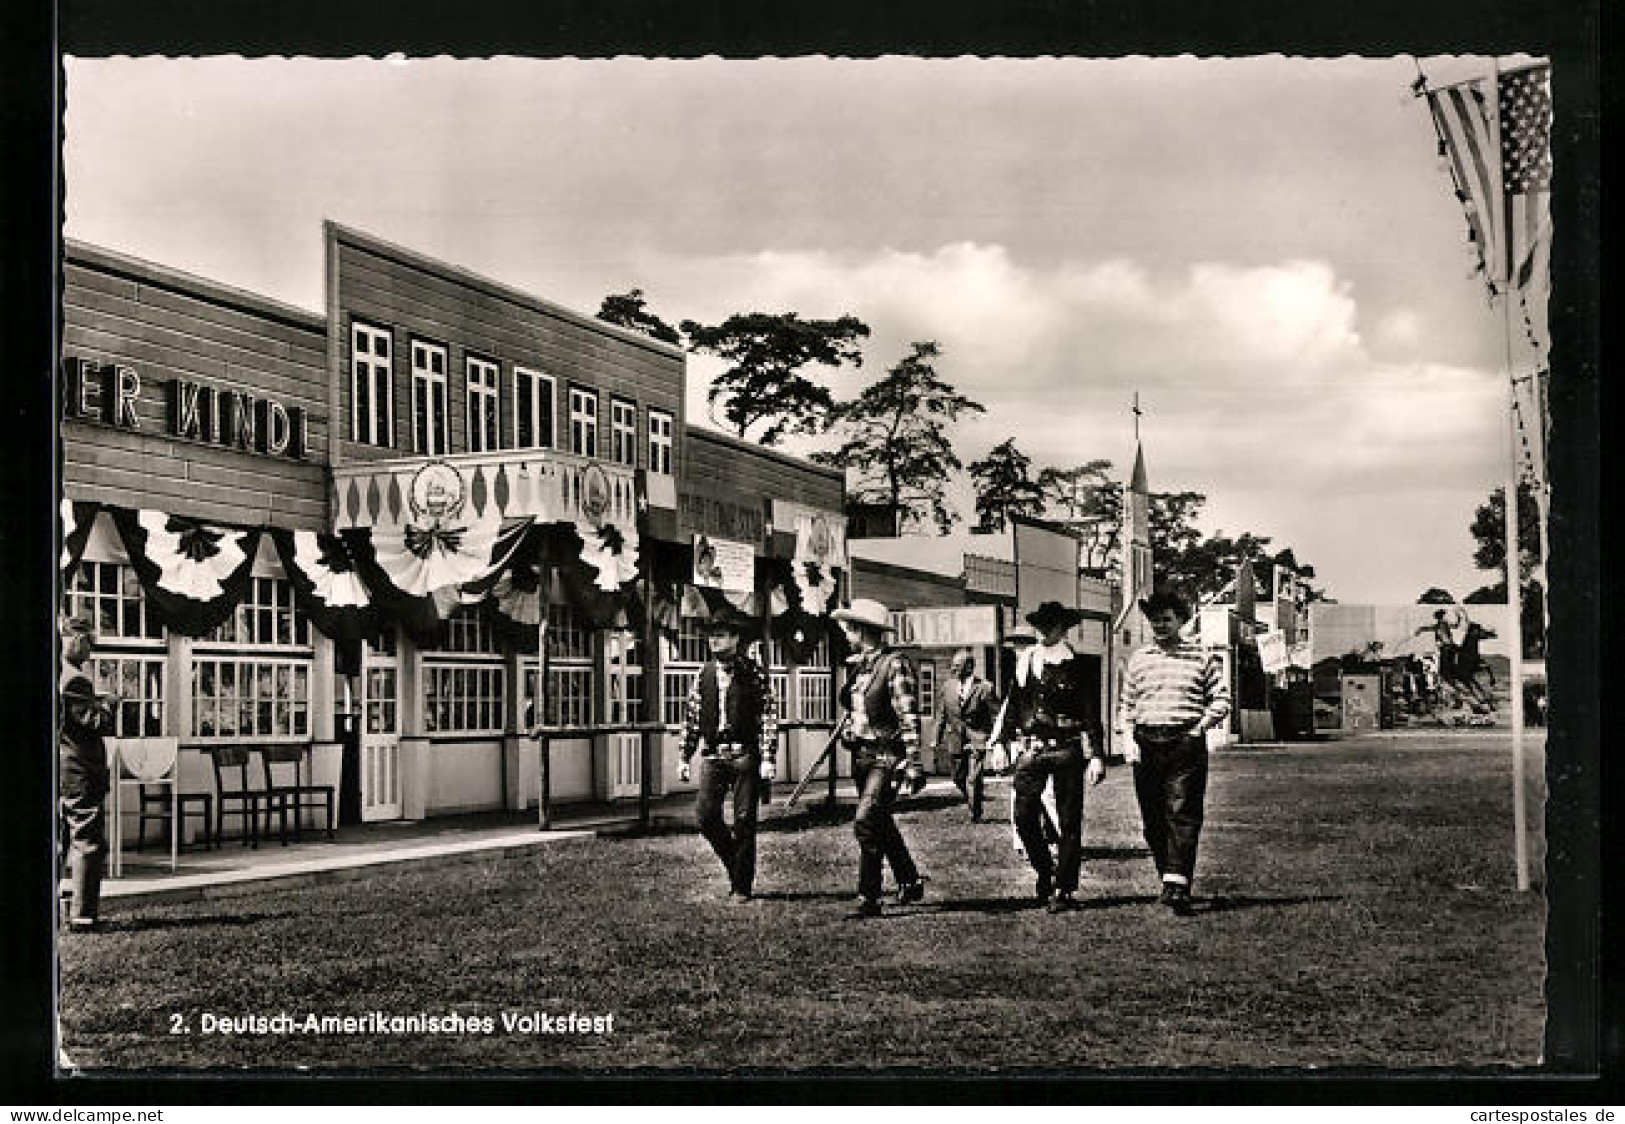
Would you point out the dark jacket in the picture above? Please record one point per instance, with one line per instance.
(1061, 702)
(961, 718)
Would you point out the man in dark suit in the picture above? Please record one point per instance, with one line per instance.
(1054, 711)
(963, 726)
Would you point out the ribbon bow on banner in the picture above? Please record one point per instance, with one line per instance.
(327, 564)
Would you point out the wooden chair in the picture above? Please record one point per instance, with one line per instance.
(154, 802)
(239, 797)
(289, 776)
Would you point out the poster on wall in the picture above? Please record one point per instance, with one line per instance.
(1272, 651)
(724, 564)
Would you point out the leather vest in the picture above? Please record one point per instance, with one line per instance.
(743, 706)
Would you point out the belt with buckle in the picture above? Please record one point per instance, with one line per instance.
(728, 749)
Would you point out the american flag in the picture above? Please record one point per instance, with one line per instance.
(1512, 231)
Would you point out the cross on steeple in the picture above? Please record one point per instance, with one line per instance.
(1136, 415)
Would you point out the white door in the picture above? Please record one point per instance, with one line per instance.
(380, 738)
(625, 765)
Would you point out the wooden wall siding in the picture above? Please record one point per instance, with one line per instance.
(468, 318)
(751, 469)
(167, 326)
(900, 588)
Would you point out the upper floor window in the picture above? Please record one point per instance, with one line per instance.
(660, 442)
(110, 596)
(429, 424)
(482, 406)
(532, 409)
(372, 386)
(583, 422)
(469, 629)
(623, 424)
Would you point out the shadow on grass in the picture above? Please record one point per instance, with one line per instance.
(154, 924)
(1120, 854)
(1225, 904)
(802, 896)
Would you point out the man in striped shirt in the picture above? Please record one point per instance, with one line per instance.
(1173, 693)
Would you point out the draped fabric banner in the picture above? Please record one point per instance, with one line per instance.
(325, 570)
(194, 574)
(420, 559)
(78, 517)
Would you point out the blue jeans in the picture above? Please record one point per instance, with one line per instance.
(1170, 782)
(879, 841)
(1033, 772)
(736, 847)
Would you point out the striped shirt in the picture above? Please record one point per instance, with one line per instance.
(1169, 686)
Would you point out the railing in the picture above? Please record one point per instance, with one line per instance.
(646, 731)
(551, 485)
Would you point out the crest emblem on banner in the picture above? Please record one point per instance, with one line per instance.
(594, 493)
(437, 491)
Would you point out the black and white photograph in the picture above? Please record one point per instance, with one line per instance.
(969, 565)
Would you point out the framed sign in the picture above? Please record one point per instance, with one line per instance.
(724, 564)
(948, 627)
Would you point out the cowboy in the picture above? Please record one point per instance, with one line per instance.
(1018, 640)
(1054, 708)
(1443, 632)
(82, 773)
(880, 697)
(963, 725)
(1174, 692)
(732, 712)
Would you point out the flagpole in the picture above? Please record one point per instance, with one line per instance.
(1514, 582)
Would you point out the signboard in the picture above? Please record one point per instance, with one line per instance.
(820, 535)
(1273, 652)
(1046, 565)
(703, 510)
(724, 564)
(234, 419)
(955, 626)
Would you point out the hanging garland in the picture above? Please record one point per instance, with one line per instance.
(325, 572)
(194, 574)
(78, 519)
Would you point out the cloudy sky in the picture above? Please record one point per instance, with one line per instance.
(1265, 249)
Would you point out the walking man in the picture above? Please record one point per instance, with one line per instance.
(82, 774)
(881, 698)
(732, 713)
(1174, 692)
(963, 727)
(1054, 709)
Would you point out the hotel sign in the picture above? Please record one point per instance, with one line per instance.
(231, 419)
(948, 627)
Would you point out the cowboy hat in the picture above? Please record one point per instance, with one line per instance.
(866, 612)
(1052, 615)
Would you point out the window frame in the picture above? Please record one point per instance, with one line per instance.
(482, 379)
(623, 431)
(530, 409)
(588, 425)
(432, 381)
(381, 430)
(662, 445)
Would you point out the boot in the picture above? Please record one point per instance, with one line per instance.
(87, 887)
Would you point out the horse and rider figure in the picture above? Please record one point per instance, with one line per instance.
(1461, 664)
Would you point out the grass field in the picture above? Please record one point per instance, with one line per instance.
(1355, 908)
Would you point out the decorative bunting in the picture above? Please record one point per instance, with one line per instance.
(612, 553)
(325, 571)
(78, 519)
(421, 559)
(194, 574)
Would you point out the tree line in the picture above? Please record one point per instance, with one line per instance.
(894, 441)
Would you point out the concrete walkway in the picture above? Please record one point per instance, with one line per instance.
(233, 869)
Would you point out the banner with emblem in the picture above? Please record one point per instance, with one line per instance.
(820, 553)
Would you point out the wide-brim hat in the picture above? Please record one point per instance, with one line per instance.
(1021, 634)
(866, 612)
(78, 688)
(1052, 615)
